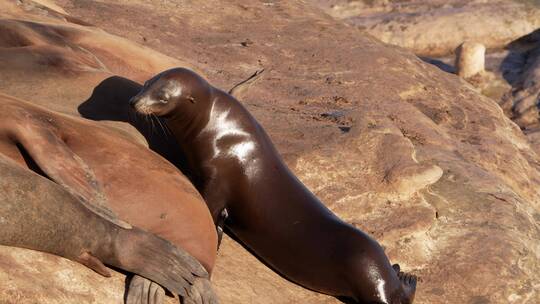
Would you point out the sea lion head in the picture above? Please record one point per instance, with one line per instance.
(175, 91)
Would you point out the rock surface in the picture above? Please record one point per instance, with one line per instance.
(33, 277)
(410, 154)
(437, 27)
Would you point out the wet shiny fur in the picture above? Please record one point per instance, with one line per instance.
(236, 168)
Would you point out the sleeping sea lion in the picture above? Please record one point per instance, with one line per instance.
(38, 214)
(111, 174)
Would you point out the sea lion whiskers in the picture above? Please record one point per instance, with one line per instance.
(147, 122)
(152, 118)
(163, 127)
(149, 119)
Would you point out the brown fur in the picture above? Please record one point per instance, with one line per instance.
(135, 183)
(111, 175)
(38, 214)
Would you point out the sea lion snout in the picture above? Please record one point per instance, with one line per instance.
(137, 101)
(142, 104)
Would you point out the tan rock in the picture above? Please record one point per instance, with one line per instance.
(470, 59)
(31, 277)
(437, 27)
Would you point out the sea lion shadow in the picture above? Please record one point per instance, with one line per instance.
(110, 101)
(520, 53)
(448, 68)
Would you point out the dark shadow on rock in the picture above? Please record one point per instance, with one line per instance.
(519, 56)
(512, 66)
(525, 43)
(440, 64)
(127, 282)
(346, 300)
(110, 101)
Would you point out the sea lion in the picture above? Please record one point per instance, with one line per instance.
(237, 169)
(112, 173)
(38, 214)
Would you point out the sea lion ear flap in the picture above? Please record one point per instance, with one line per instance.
(190, 98)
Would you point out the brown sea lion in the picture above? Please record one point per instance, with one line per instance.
(110, 172)
(270, 211)
(38, 214)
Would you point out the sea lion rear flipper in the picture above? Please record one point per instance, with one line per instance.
(142, 290)
(60, 164)
(157, 260)
(201, 292)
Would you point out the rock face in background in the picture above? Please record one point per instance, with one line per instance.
(431, 29)
(437, 27)
(410, 154)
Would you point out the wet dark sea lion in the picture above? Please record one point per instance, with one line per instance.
(114, 176)
(237, 169)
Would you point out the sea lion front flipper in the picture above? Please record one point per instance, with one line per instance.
(90, 261)
(220, 226)
(44, 149)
